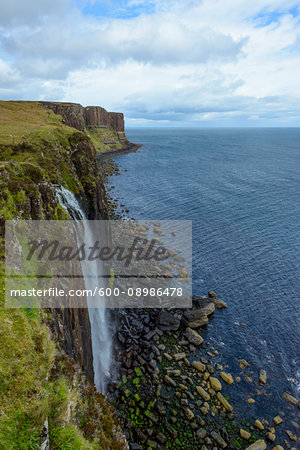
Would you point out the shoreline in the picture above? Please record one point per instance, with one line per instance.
(130, 148)
(145, 368)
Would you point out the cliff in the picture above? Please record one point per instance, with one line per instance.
(106, 129)
(37, 153)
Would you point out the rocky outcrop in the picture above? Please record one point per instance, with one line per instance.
(76, 116)
(99, 117)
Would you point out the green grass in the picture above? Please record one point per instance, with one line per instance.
(104, 139)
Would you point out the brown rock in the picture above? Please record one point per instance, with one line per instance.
(259, 425)
(244, 434)
(258, 445)
(291, 435)
(263, 376)
(215, 384)
(290, 398)
(212, 294)
(220, 304)
(198, 365)
(277, 420)
(226, 377)
(194, 337)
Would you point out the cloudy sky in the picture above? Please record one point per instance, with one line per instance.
(161, 62)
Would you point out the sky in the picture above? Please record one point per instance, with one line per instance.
(191, 63)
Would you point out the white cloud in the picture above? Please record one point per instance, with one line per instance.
(186, 61)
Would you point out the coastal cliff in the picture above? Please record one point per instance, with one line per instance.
(46, 365)
(106, 129)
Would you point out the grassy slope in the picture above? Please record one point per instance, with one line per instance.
(27, 396)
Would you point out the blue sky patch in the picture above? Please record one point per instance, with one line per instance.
(265, 17)
(124, 9)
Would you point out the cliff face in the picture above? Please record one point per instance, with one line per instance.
(76, 116)
(105, 129)
(37, 153)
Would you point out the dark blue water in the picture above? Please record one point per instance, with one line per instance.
(241, 189)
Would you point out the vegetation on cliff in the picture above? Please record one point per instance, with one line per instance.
(40, 387)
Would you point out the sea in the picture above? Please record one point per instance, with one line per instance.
(241, 189)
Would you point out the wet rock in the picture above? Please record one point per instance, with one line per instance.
(245, 434)
(173, 372)
(227, 377)
(215, 384)
(219, 440)
(199, 366)
(209, 308)
(171, 430)
(289, 398)
(278, 447)
(194, 337)
(179, 356)
(258, 445)
(277, 420)
(251, 401)
(212, 294)
(151, 444)
(291, 435)
(201, 391)
(263, 376)
(220, 304)
(161, 438)
(151, 416)
(168, 357)
(194, 318)
(270, 436)
(170, 381)
(134, 446)
(201, 433)
(204, 410)
(168, 321)
(243, 363)
(189, 414)
(224, 402)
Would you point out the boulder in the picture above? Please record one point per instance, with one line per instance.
(227, 377)
(291, 435)
(215, 384)
(219, 440)
(258, 445)
(198, 365)
(205, 305)
(270, 436)
(290, 398)
(212, 294)
(201, 391)
(201, 433)
(243, 363)
(189, 414)
(194, 318)
(179, 356)
(245, 434)
(263, 376)
(194, 337)
(277, 420)
(220, 304)
(168, 321)
(224, 402)
(259, 425)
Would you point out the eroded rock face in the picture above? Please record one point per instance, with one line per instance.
(99, 117)
(76, 116)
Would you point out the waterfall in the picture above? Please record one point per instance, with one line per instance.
(101, 337)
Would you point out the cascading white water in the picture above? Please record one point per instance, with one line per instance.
(101, 338)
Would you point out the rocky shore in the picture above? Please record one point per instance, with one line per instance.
(174, 389)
